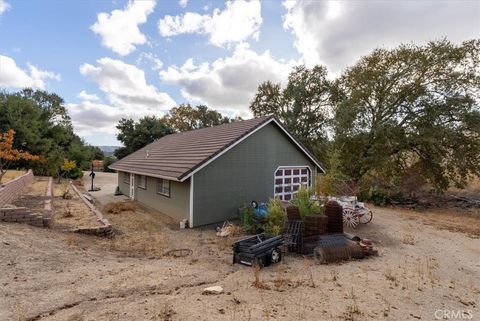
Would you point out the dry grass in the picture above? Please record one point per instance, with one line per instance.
(451, 219)
(258, 282)
(11, 175)
(19, 311)
(71, 240)
(165, 313)
(408, 239)
(71, 213)
(119, 207)
(391, 276)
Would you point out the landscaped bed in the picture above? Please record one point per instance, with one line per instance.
(71, 213)
(33, 195)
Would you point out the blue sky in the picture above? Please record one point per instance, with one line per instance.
(113, 59)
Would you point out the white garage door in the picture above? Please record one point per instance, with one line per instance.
(289, 179)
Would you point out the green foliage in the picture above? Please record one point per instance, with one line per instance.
(276, 218)
(411, 109)
(330, 182)
(135, 135)
(302, 106)
(303, 200)
(185, 117)
(107, 161)
(76, 173)
(251, 223)
(43, 127)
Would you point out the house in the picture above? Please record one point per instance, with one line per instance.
(205, 175)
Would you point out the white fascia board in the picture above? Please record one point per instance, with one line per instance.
(298, 144)
(190, 222)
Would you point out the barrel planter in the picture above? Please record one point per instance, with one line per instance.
(315, 224)
(334, 212)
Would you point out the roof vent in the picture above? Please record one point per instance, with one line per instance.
(148, 153)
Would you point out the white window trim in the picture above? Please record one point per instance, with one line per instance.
(292, 168)
(159, 191)
(144, 186)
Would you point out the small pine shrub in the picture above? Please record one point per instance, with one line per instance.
(303, 200)
(276, 218)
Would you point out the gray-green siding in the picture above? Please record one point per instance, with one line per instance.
(176, 206)
(243, 174)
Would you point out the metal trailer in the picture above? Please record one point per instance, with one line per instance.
(262, 250)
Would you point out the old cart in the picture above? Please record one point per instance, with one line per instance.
(261, 249)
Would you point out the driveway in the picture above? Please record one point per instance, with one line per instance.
(107, 182)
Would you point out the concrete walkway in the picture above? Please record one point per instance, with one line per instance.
(107, 182)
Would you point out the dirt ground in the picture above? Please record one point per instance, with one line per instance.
(425, 264)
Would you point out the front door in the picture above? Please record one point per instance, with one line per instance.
(132, 186)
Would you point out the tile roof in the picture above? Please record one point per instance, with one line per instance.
(177, 155)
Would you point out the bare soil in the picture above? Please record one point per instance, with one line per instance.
(142, 274)
(70, 214)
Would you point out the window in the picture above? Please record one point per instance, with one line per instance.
(163, 187)
(142, 182)
(288, 181)
(126, 178)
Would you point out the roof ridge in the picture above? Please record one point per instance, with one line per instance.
(216, 126)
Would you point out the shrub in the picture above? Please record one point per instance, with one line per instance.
(75, 173)
(276, 217)
(107, 162)
(303, 200)
(251, 223)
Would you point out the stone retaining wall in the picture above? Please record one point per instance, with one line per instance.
(24, 215)
(105, 229)
(12, 190)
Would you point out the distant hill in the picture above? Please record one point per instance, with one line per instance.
(108, 150)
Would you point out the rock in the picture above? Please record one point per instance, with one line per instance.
(213, 290)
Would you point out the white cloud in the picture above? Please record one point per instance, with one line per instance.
(183, 3)
(12, 76)
(128, 93)
(338, 33)
(119, 30)
(239, 21)
(152, 58)
(89, 116)
(86, 96)
(4, 6)
(125, 85)
(228, 83)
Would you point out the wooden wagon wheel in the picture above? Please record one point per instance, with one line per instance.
(365, 216)
(350, 218)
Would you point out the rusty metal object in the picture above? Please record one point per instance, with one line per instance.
(293, 213)
(315, 225)
(334, 212)
(335, 248)
(294, 235)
